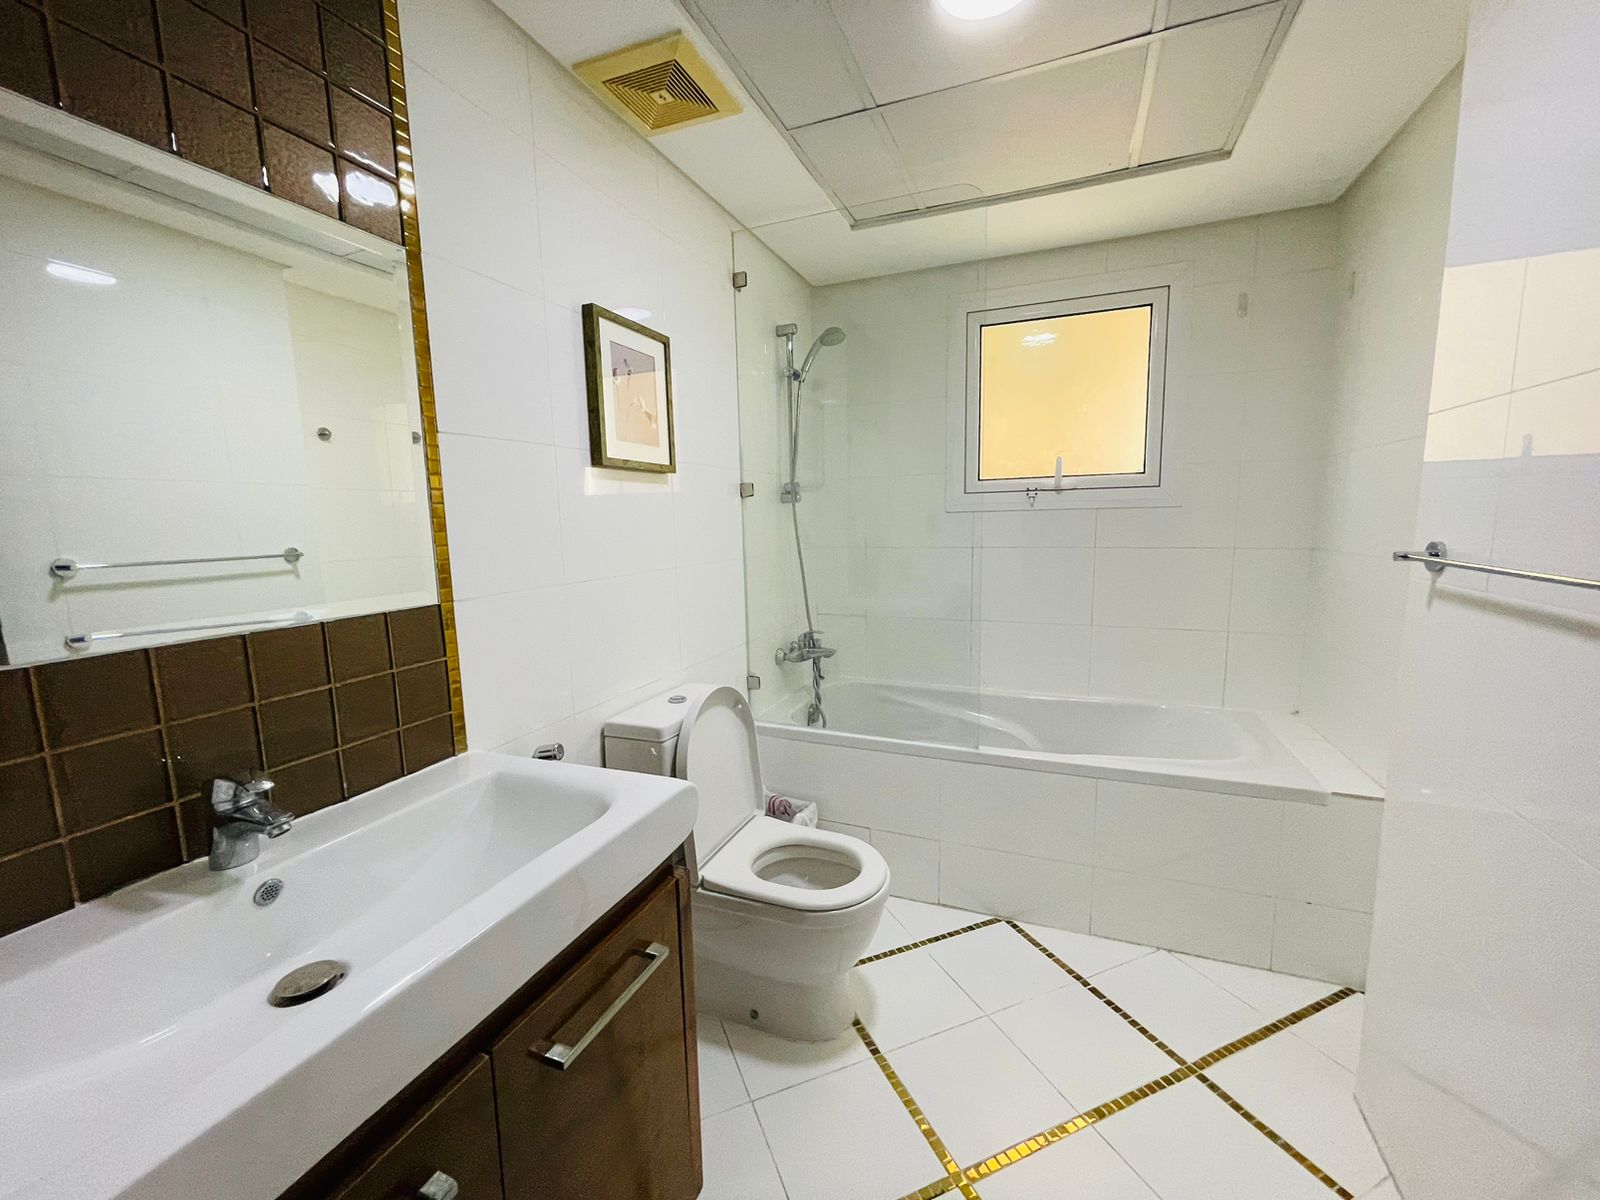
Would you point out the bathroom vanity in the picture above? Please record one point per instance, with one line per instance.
(583, 1084)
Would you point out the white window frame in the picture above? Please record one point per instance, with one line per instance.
(1156, 486)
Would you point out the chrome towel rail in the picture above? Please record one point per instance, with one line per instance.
(1435, 556)
(66, 568)
(82, 641)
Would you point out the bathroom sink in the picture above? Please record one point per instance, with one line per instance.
(139, 1055)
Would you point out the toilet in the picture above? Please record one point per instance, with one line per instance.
(781, 912)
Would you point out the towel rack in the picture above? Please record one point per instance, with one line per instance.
(1435, 556)
(82, 641)
(66, 568)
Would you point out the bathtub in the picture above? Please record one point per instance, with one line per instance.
(1233, 835)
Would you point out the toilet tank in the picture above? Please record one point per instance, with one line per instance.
(645, 737)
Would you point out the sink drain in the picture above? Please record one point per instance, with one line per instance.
(304, 984)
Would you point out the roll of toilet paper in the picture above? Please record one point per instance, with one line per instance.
(796, 812)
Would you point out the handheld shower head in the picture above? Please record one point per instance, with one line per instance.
(831, 336)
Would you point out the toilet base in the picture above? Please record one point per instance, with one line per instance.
(816, 1012)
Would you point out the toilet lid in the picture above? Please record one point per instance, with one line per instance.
(717, 753)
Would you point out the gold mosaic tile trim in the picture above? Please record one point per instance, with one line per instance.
(1097, 993)
(1278, 1140)
(938, 937)
(1187, 1070)
(953, 1176)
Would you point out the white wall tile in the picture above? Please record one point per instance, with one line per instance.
(1016, 886)
(1175, 666)
(1190, 836)
(1556, 337)
(1050, 660)
(1270, 591)
(503, 519)
(1321, 942)
(1039, 585)
(1039, 813)
(1263, 671)
(1208, 501)
(1330, 852)
(521, 675)
(1479, 310)
(1162, 589)
(913, 864)
(1214, 922)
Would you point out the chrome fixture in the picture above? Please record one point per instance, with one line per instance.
(554, 752)
(82, 641)
(66, 568)
(241, 811)
(306, 983)
(439, 1187)
(808, 646)
(1435, 556)
(561, 1054)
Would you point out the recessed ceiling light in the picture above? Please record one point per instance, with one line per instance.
(977, 10)
(76, 274)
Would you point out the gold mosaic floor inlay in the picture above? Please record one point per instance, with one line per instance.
(961, 1179)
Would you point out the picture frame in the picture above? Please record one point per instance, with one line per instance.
(628, 369)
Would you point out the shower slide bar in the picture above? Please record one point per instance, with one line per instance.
(82, 641)
(1435, 557)
(66, 568)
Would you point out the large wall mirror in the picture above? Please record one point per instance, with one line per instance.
(209, 412)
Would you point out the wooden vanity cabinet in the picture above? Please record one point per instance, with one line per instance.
(583, 1085)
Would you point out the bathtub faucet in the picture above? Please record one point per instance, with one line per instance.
(807, 647)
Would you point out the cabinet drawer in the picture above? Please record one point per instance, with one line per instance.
(454, 1135)
(594, 1083)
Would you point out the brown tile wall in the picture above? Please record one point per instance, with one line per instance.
(102, 759)
(287, 95)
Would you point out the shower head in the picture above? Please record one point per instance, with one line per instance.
(831, 336)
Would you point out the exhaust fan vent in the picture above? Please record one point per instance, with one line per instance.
(660, 85)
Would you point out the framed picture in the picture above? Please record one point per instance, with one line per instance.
(629, 369)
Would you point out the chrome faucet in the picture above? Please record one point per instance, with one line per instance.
(241, 811)
(807, 647)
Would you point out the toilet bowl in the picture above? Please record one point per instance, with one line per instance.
(781, 912)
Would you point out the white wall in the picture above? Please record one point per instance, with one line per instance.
(125, 435)
(1393, 224)
(577, 590)
(1199, 603)
(1480, 1068)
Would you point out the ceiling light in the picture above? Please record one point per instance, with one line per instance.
(76, 274)
(1038, 339)
(977, 10)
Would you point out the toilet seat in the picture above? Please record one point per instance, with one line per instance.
(762, 842)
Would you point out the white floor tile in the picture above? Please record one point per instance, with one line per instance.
(1084, 1167)
(770, 1064)
(738, 1165)
(997, 968)
(1088, 1052)
(978, 1090)
(928, 920)
(1310, 1100)
(1271, 993)
(1188, 1145)
(1178, 1004)
(721, 1086)
(889, 935)
(1085, 953)
(1336, 1031)
(846, 1134)
(910, 997)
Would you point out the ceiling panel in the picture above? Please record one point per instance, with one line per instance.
(907, 48)
(1181, 12)
(857, 160)
(794, 52)
(1024, 131)
(1203, 78)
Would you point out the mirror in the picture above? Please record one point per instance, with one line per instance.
(209, 415)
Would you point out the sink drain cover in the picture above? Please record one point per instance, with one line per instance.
(307, 983)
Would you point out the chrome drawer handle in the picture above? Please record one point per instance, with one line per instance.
(439, 1187)
(561, 1055)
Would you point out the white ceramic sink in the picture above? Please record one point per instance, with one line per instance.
(139, 1056)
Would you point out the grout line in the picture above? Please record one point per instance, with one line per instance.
(1279, 1141)
(1083, 980)
(938, 937)
(953, 1173)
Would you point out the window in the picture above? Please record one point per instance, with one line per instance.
(1066, 395)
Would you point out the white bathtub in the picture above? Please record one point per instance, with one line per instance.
(1214, 749)
(1232, 835)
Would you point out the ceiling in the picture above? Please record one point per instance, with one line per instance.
(882, 135)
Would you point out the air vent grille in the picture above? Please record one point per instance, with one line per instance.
(659, 85)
